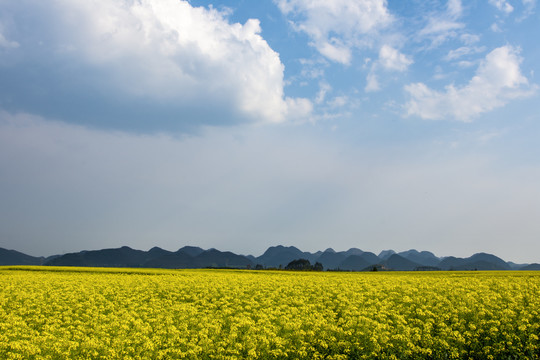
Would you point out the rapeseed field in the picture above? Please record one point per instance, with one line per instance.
(90, 313)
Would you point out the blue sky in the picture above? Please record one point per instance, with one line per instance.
(244, 124)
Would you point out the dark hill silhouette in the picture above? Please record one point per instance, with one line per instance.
(276, 256)
(480, 261)
(155, 257)
(480, 265)
(534, 266)
(12, 257)
(177, 260)
(492, 259)
(157, 251)
(331, 260)
(219, 259)
(451, 263)
(370, 257)
(191, 250)
(119, 257)
(196, 257)
(425, 258)
(385, 254)
(515, 266)
(354, 251)
(398, 262)
(354, 263)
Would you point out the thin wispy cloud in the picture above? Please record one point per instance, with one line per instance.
(336, 28)
(443, 25)
(502, 5)
(464, 51)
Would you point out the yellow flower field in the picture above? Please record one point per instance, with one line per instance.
(90, 313)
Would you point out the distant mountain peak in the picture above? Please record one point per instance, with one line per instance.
(330, 250)
(411, 251)
(279, 248)
(13, 257)
(385, 254)
(481, 254)
(355, 251)
(398, 262)
(190, 250)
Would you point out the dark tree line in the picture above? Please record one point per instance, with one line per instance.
(304, 265)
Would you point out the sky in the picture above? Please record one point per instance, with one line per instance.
(239, 125)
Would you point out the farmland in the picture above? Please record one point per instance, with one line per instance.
(97, 313)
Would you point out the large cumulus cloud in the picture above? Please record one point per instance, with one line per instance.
(139, 64)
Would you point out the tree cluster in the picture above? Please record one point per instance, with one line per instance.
(304, 265)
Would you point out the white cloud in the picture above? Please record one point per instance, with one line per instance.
(529, 6)
(312, 69)
(466, 64)
(455, 8)
(165, 52)
(338, 101)
(463, 51)
(436, 26)
(392, 59)
(297, 109)
(439, 30)
(502, 5)
(495, 28)
(442, 26)
(324, 88)
(335, 50)
(372, 82)
(336, 27)
(498, 80)
(5, 43)
(469, 39)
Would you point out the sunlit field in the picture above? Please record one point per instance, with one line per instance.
(90, 313)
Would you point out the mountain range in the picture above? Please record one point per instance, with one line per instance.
(191, 257)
